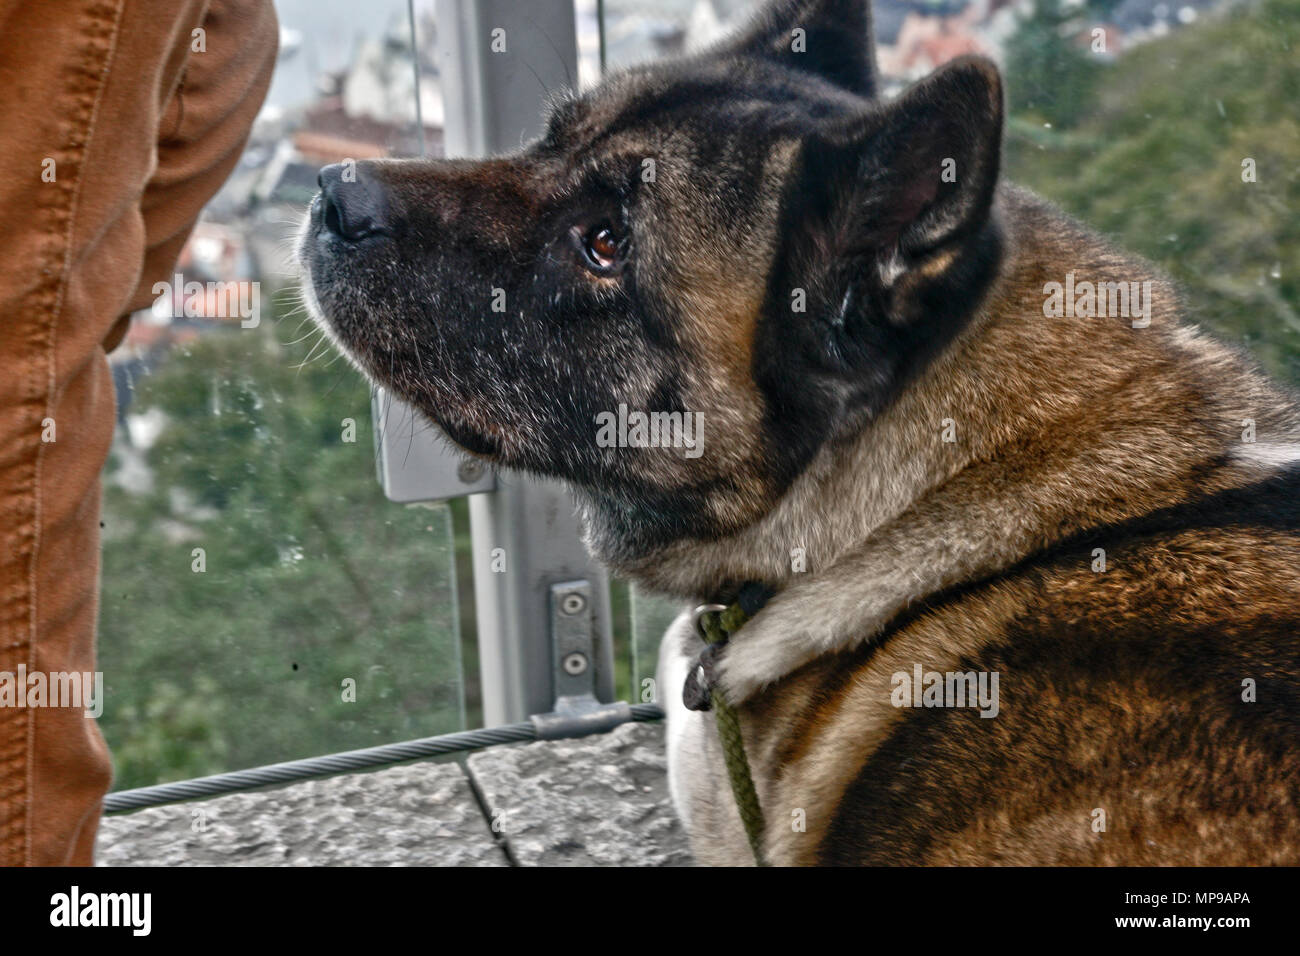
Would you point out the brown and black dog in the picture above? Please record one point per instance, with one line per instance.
(1033, 543)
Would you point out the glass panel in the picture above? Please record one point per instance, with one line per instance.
(651, 615)
(262, 601)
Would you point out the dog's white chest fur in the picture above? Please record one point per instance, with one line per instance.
(697, 775)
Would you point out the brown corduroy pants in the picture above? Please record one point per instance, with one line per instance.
(119, 122)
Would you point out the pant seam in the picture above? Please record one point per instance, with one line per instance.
(106, 17)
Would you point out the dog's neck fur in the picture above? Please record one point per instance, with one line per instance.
(929, 513)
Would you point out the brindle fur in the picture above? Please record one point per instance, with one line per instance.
(1121, 690)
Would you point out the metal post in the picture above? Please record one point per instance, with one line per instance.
(525, 536)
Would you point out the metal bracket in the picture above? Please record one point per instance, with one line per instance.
(412, 460)
(576, 711)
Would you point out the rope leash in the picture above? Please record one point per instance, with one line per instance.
(715, 626)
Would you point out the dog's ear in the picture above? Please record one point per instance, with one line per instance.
(831, 39)
(910, 176)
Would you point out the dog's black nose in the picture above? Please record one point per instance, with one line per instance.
(353, 204)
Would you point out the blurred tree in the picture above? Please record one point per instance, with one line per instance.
(311, 577)
(1051, 71)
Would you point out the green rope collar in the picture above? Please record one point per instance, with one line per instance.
(715, 624)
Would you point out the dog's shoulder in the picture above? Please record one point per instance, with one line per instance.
(1138, 674)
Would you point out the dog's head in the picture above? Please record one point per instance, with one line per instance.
(749, 237)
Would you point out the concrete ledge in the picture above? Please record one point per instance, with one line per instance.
(419, 814)
(595, 801)
(600, 800)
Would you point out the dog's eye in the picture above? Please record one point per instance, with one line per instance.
(601, 246)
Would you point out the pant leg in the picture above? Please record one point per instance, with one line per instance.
(118, 129)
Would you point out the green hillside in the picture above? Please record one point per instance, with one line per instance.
(1155, 161)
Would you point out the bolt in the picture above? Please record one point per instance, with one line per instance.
(572, 603)
(574, 664)
(469, 471)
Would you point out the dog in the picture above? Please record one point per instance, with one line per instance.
(1031, 541)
